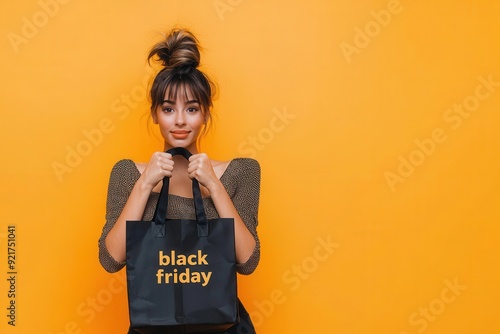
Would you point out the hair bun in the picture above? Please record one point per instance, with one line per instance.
(179, 50)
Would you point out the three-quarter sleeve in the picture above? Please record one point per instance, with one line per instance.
(120, 185)
(246, 201)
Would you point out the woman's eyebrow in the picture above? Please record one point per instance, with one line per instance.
(173, 102)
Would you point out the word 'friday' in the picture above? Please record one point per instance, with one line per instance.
(186, 276)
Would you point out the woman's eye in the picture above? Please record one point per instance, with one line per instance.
(192, 109)
(167, 109)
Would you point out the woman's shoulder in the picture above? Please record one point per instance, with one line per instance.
(124, 165)
(246, 162)
(125, 168)
(246, 166)
(242, 176)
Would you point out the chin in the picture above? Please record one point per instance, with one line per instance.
(180, 143)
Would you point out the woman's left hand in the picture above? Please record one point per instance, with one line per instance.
(200, 168)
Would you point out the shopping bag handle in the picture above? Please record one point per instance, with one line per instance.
(161, 208)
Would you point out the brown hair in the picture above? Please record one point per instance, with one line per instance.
(179, 54)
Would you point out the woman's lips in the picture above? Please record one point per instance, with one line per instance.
(179, 134)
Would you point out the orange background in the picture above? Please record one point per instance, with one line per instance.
(373, 121)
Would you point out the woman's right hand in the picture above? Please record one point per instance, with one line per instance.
(159, 166)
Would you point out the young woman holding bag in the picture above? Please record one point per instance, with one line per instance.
(181, 102)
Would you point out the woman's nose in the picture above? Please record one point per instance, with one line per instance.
(180, 118)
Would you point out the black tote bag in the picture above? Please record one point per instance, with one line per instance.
(181, 274)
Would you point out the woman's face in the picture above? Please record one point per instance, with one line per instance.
(180, 120)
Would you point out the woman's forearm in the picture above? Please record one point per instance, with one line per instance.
(133, 210)
(244, 240)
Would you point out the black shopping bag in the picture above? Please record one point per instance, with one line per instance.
(181, 274)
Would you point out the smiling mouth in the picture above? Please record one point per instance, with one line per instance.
(179, 134)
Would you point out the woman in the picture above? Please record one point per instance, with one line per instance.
(181, 103)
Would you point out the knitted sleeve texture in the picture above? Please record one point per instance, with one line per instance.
(246, 201)
(241, 181)
(120, 185)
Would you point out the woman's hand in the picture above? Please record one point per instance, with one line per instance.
(159, 166)
(200, 168)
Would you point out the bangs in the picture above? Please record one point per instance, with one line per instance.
(192, 87)
(178, 87)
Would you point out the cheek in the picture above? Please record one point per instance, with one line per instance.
(198, 121)
(159, 116)
(163, 119)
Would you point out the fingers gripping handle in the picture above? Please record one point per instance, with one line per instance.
(180, 151)
(161, 208)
